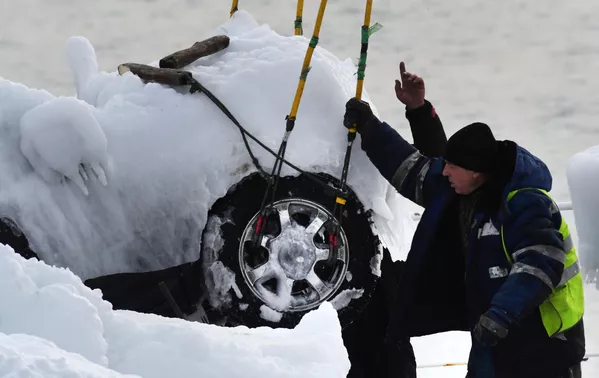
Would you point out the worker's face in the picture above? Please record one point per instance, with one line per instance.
(463, 181)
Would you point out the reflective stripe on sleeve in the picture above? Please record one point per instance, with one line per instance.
(519, 267)
(546, 250)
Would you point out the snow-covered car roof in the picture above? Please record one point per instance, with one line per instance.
(168, 155)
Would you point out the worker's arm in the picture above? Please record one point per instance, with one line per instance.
(427, 130)
(537, 250)
(414, 175)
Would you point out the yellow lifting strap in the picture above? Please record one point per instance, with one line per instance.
(367, 14)
(307, 60)
(341, 201)
(298, 18)
(234, 8)
(367, 30)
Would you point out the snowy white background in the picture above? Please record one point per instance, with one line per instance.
(528, 71)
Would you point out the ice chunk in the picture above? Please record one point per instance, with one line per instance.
(375, 264)
(348, 276)
(583, 174)
(281, 299)
(269, 314)
(342, 299)
(222, 280)
(62, 138)
(84, 64)
(241, 22)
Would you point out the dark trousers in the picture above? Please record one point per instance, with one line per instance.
(369, 354)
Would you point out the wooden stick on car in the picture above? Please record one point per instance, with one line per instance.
(186, 56)
(165, 76)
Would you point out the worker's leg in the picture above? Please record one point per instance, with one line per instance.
(574, 371)
(365, 337)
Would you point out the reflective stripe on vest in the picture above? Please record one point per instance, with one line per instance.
(565, 306)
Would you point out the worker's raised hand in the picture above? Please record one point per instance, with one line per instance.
(410, 88)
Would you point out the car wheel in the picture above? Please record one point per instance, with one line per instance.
(287, 272)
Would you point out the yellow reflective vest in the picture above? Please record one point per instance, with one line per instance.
(565, 306)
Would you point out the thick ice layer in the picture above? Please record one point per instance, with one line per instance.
(52, 323)
(583, 180)
(170, 155)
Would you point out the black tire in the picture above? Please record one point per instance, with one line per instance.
(229, 217)
(11, 235)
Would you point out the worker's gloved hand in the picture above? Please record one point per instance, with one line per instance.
(357, 114)
(492, 326)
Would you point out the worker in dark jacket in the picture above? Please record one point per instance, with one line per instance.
(491, 254)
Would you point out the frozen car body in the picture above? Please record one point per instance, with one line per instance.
(169, 155)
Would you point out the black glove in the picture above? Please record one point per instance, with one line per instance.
(357, 114)
(492, 326)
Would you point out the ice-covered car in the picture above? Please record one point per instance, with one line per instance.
(150, 193)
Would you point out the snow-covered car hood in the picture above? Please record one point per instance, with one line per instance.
(168, 155)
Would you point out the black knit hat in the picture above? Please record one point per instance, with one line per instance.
(474, 148)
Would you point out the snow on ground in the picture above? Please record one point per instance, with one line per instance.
(51, 325)
(29, 356)
(166, 156)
